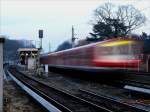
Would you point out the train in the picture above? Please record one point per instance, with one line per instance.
(117, 53)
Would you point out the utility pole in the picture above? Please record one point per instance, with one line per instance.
(73, 37)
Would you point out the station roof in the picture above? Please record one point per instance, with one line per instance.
(27, 49)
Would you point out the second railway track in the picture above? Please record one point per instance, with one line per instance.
(113, 103)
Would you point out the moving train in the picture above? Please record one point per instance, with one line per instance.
(117, 53)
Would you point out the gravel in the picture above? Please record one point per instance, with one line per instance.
(16, 100)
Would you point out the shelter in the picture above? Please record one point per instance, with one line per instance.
(28, 57)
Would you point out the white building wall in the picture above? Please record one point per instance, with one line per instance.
(31, 63)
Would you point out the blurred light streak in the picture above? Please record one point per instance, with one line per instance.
(115, 43)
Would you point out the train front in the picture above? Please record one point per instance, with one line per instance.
(119, 53)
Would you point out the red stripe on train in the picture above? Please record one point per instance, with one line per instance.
(117, 63)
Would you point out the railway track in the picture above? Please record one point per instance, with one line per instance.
(112, 103)
(83, 101)
(138, 77)
(136, 82)
(59, 98)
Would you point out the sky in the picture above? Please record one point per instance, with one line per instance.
(21, 19)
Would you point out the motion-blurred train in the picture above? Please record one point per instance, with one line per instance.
(118, 53)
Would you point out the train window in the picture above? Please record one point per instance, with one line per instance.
(134, 48)
(120, 49)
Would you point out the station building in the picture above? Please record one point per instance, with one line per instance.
(28, 57)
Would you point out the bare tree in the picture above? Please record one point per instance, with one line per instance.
(131, 17)
(119, 20)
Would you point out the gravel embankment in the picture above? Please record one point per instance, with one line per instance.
(16, 100)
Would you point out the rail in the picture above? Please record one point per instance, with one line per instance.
(86, 103)
(34, 95)
(113, 101)
(65, 101)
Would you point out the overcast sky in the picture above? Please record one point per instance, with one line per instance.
(21, 19)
